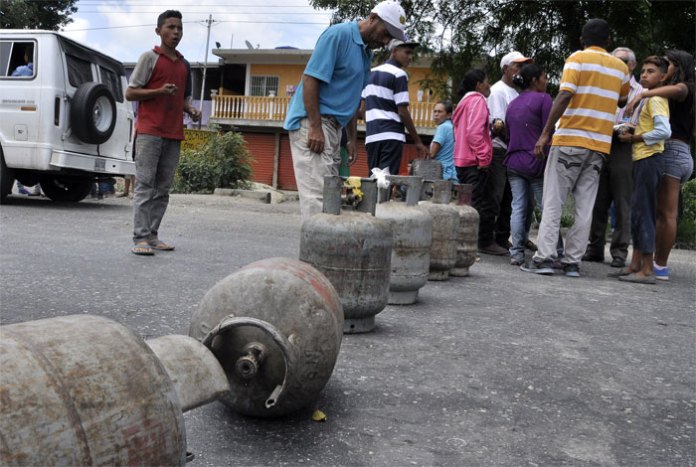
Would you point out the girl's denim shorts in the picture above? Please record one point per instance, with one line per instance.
(677, 161)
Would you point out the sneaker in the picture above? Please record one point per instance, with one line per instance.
(618, 263)
(494, 249)
(537, 268)
(24, 191)
(571, 270)
(516, 261)
(661, 273)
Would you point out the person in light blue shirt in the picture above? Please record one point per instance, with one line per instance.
(328, 97)
(28, 69)
(24, 70)
(442, 145)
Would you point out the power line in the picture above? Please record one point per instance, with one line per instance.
(205, 11)
(219, 5)
(197, 22)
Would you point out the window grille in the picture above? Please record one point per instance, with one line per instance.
(264, 85)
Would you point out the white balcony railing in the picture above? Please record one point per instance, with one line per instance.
(273, 109)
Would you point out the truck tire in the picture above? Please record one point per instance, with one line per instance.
(93, 113)
(65, 188)
(6, 179)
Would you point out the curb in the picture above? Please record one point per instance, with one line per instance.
(265, 196)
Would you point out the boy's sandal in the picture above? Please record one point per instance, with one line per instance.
(159, 245)
(142, 249)
(620, 273)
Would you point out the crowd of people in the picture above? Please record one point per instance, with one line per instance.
(607, 139)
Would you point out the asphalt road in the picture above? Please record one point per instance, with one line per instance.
(499, 368)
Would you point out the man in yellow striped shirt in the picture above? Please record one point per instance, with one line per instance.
(593, 83)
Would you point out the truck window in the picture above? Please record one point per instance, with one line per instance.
(112, 81)
(79, 71)
(17, 59)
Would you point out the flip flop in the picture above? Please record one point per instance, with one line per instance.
(620, 273)
(160, 246)
(638, 279)
(142, 249)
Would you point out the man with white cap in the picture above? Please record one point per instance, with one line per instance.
(328, 97)
(494, 226)
(385, 105)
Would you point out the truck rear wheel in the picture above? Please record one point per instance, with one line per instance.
(6, 179)
(64, 188)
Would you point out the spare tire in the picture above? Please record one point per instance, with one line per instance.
(93, 113)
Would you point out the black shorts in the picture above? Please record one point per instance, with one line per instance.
(383, 154)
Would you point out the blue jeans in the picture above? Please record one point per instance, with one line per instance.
(646, 180)
(524, 192)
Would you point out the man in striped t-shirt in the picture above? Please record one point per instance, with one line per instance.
(593, 83)
(385, 103)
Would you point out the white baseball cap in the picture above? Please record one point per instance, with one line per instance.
(394, 43)
(394, 18)
(513, 57)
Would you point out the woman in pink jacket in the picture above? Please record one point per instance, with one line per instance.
(473, 148)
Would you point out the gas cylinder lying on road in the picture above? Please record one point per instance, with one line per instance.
(85, 390)
(276, 327)
(353, 250)
(443, 251)
(467, 244)
(413, 230)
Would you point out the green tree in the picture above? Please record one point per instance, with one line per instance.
(36, 14)
(477, 33)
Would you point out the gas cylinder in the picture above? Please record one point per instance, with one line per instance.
(276, 327)
(85, 390)
(353, 250)
(428, 169)
(413, 230)
(467, 244)
(443, 251)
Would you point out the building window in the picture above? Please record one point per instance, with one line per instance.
(264, 85)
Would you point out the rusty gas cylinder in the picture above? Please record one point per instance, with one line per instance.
(467, 244)
(353, 250)
(413, 229)
(85, 390)
(443, 251)
(276, 327)
(428, 169)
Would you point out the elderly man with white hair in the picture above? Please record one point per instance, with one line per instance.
(615, 185)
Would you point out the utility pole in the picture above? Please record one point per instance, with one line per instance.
(209, 24)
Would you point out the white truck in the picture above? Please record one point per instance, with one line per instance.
(64, 120)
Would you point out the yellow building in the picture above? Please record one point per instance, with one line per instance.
(256, 86)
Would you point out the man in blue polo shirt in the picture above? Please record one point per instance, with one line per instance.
(385, 102)
(328, 97)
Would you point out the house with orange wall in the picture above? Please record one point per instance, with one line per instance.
(252, 96)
